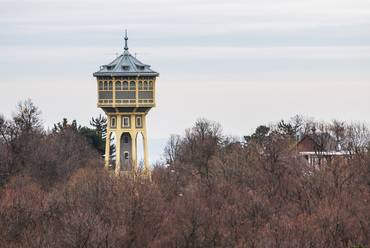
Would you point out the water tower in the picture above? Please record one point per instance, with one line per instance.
(126, 93)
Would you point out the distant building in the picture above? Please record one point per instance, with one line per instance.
(319, 149)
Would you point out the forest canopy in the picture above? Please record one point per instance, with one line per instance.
(212, 190)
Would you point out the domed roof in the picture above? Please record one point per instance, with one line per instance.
(125, 65)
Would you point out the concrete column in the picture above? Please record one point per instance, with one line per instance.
(118, 152)
(145, 146)
(134, 150)
(107, 150)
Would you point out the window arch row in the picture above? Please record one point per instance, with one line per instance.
(105, 85)
(125, 85)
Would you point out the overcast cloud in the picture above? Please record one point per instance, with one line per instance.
(240, 63)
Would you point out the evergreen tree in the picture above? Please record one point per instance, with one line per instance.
(96, 137)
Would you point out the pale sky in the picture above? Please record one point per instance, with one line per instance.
(239, 63)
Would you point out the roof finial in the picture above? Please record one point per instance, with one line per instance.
(126, 47)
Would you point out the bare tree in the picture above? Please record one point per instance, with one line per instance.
(28, 116)
(171, 150)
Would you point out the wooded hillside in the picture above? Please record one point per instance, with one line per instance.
(212, 191)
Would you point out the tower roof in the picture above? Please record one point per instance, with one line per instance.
(125, 65)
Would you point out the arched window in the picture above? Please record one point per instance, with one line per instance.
(132, 85)
(105, 85)
(126, 155)
(150, 85)
(110, 85)
(140, 85)
(118, 85)
(125, 85)
(145, 85)
(101, 85)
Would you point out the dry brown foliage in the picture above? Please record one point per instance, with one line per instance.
(213, 192)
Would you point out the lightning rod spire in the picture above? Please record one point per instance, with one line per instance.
(126, 47)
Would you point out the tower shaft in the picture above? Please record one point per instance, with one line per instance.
(127, 127)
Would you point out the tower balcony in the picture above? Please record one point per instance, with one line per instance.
(126, 103)
(133, 93)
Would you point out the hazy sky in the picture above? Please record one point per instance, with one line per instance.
(239, 63)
